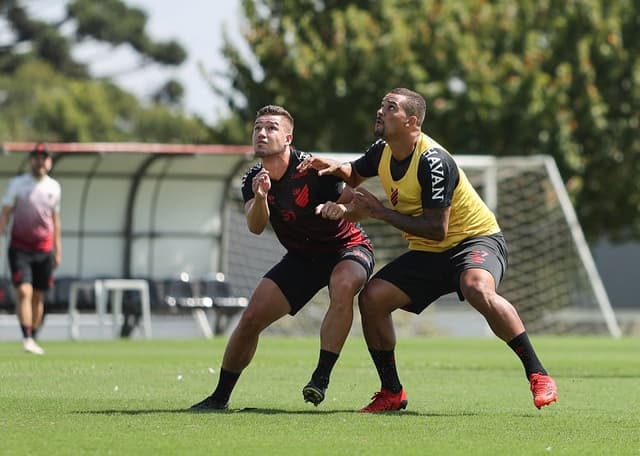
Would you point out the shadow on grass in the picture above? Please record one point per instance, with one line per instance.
(261, 411)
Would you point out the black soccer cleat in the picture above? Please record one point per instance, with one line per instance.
(313, 393)
(209, 404)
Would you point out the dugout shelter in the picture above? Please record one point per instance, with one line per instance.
(156, 211)
(137, 210)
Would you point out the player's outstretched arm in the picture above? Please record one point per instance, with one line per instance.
(328, 166)
(432, 224)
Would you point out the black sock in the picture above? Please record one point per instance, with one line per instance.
(522, 347)
(385, 362)
(226, 383)
(326, 361)
(27, 331)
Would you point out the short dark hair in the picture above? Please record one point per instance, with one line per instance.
(40, 149)
(414, 105)
(276, 111)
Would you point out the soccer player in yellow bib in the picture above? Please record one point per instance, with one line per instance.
(455, 243)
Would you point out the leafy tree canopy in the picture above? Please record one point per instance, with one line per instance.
(47, 94)
(508, 77)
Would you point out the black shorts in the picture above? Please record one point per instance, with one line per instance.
(31, 267)
(426, 276)
(300, 278)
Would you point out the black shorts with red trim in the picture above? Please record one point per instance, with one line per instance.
(300, 278)
(426, 276)
(31, 267)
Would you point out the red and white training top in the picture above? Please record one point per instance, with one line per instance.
(34, 204)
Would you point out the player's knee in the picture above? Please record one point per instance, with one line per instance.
(347, 281)
(344, 289)
(251, 321)
(477, 293)
(367, 299)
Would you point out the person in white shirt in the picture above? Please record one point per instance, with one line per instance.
(32, 204)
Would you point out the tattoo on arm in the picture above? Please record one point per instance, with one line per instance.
(432, 224)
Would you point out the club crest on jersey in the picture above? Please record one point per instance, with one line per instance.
(394, 196)
(301, 196)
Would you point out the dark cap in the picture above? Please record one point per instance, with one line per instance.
(40, 149)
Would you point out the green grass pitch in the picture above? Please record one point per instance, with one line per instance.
(466, 396)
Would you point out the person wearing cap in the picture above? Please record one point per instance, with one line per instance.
(32, 204)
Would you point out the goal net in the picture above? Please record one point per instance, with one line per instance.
(551, 279)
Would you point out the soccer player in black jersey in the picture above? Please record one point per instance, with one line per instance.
(320, 252)
(455, 243)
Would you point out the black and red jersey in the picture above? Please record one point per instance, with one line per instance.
(292, 201)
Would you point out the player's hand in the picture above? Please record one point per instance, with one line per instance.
(331, 210)
(261, 183)
(320, 164)
(364, 202)
(348, 211)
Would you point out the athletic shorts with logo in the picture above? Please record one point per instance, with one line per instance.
(31, 267)
(300, 278)
(426, 276)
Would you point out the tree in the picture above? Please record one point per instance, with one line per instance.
(46, 94)
(109, 22)
(509, 77)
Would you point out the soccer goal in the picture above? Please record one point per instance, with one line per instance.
(552, 279)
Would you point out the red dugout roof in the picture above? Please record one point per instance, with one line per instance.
(130, 147)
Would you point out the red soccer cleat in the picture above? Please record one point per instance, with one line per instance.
(386, 401)
(544, 389)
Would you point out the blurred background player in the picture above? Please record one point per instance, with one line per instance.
(320, 252)
(455, 243)
(32, 201)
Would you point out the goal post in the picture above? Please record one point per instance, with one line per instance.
(582, 247)
(507, 185)
(552, 279)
